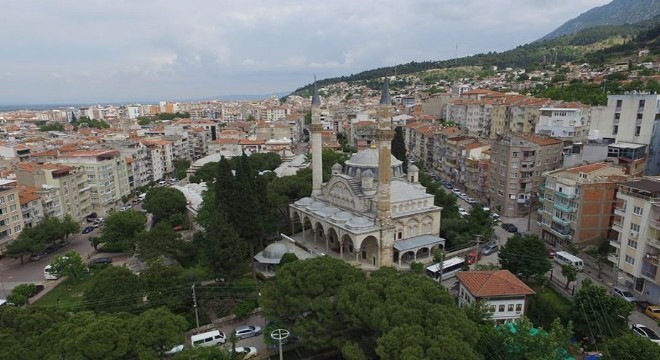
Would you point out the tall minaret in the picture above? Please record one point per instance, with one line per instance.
(384, 136)
(316, 129)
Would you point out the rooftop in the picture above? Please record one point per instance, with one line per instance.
(493, 283)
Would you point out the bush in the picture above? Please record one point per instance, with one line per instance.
(547, 305)
(114, 247)
(417, 267)
(244, 309)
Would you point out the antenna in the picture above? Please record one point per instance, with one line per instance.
(456, 55)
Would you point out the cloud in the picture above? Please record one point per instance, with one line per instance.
(122, 50)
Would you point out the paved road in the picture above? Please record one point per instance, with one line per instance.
(256, 341)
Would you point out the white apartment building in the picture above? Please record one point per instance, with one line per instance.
(160, 158)
(31, 206)
(569, 124)
(107, 176)
(11, 218)
(637, 247)
(502, 292)
(63, 189)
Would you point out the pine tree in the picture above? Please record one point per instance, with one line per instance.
(399, 147)
(222, 249)
(225, 185)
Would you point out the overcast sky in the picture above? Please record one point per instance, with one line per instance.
(89, 51)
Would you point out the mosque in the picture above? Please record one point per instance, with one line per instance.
(370, 211)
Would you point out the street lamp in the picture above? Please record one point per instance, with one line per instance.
(279, 335)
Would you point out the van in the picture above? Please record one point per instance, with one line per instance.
(48, 275)
(208, 338)
(142, 196)
(564, 258)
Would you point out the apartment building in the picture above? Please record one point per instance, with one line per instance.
(453, 162)
(575, 204)
(637, 245)
(106, 174)
(517, 163)
(631, 118)
(63, 189)
(137, 157)
(11, 218)
(159, 161)
(477, 161)
(14, 151)
(31, 206)
(566, 122)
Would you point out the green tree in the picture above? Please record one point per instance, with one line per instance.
(26, 243)
(70, 226)
(222, 249)
(165, 286)
(303, 298)
(399, 147)
(225, 187)
(180, 168)
(597, 314)
(122, 228)
(525, 255)
(91, 336)
(569, 272)
(21, 293)
(157, 330)
(288, 258)
(629, 347)
(160, 240)
(114, 289)
(164, 202)
(207, 173)
(69, 264)
(52, 126)
(479, 312)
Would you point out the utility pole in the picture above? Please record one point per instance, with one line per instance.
(476, 252)
(195, 305)
(442, 261)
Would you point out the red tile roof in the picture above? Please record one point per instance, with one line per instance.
(493, 283)
(588, 168)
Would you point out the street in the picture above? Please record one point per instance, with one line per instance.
(255, 341)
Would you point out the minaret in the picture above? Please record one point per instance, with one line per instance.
(384, 135)
(316, 129)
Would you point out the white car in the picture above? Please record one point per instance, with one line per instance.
(643, 331)
(174, 350)
(463, 213)
(470, 200)
(624, 294)
(456, 191)
(248, 352)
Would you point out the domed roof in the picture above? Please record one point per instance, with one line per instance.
(369, 158)
(336, 166)
(358, 222)
(304, 201)
(368, 173)
(316, 205)
(326, 211)
(341, 217)
(413, 168)
(275, 251)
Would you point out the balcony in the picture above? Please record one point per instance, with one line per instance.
(563, 207)
(617, 226)
(649, 271)
(655, 224)
(613, 257)
(651, 240)
(561, 221)
(652, 259)
(565, 195)
(615, 243)
(620, 211)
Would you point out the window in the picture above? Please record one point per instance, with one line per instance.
(501, 309)
(630, 260)
(619, 103)
(642, 103)
(634, 227)
(640, 116)
(638, 130)
(17, 228)
(617, 116)
(510, 307)
(12, 208)
(11, 197)
(632, 244)
(492, 308)
(518, 307)
(637, 210)
(615, 129)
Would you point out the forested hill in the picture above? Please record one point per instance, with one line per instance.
(591, 45)
(618, 12)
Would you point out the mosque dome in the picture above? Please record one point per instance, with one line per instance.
(272, 254)
(367, 159)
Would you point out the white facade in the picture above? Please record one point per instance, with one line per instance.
(627, 118)
(563, 123)
(503, 309)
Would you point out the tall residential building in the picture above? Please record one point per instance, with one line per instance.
(477, 160)
(31, 206)
(517, 163)
(71, 193)
(107, 176)
(566, 122)
(11, 218)
(576, 203)
(637, 247)
(631, 118)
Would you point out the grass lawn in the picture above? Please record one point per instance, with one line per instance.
(66, 295)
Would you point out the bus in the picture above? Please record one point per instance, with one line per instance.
(564, 258)
(449, 268)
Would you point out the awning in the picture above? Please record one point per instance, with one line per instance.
(418, 242)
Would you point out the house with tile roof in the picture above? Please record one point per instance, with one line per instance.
(502, 292)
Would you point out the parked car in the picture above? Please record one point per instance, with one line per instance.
(489, 249)
(248, 352)
(88, 229)
(509, 227)
(174, 350)
(124, 208)
(38, 256)
(473, 256)
(653, 311)
(100, 261)
(463, 213)
(91, 217)
(247, 331)
(644, 331)
(456, 191)
(624, 294)
(448, 186)
(470, 200)
(551, 253)
(51, 248)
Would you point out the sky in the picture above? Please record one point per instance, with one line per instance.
(96, 51)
